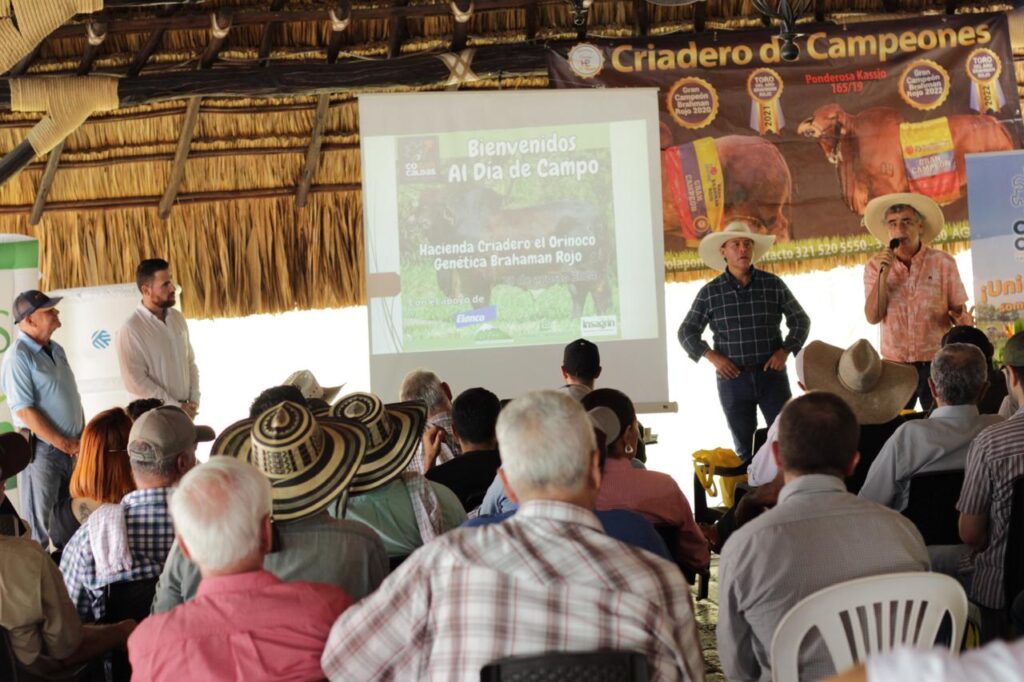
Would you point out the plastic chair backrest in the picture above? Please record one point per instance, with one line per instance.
(932, 506)
(585, 666)
(1013, 564)
(868, 616)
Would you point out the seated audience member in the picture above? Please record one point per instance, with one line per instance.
(45, 632)
(102, 474)
(137, 408)
(817, 535)
(547, 579)
(652, 494)
(275, 395)
(427, 387)
(15, 455)
(131, 540)
(309, 545)
(875, 389)
(404, 508)
(245, 623)
(581, 366)
(998, 661)
(940, 442)
(474, 415)
(621, 524)
(994, 461)
(993, 397)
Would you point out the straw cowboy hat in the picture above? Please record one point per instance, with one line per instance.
(395, 431)
(875, 389)
(310, 462)
(874, 215)
(310, 387)
(709, 246)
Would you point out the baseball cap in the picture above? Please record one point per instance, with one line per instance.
(1013, 351)
(14, 454)
(30, 301)
(582, 359)
(164, 432)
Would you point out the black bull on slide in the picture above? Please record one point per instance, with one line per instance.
(573, 238)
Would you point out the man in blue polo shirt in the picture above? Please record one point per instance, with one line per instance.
(44, 401)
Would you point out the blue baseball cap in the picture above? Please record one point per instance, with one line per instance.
(30, 301)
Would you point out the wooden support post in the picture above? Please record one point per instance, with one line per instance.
(221, 25)
(267, 39)
(641, 18)
(462, 12)
(397, 29)
(532, 20)
(819, 10)
(700, 15)
(339, 22)
(25, 62)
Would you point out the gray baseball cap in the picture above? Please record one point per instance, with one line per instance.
(164, 432)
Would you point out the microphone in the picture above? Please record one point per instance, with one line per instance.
(893, 245)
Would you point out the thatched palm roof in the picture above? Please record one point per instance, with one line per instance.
(238, 241)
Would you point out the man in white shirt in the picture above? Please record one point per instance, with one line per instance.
(153, 347)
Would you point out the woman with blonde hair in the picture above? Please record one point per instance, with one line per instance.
(102, 475)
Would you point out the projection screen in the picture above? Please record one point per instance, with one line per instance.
(502, 225)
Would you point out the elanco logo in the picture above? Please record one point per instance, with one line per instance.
(100, 339)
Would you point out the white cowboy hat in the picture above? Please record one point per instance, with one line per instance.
(874, 215)
(709, 252)
(875, 389)
(310, 387)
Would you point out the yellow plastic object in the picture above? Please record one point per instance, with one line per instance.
(706, 462)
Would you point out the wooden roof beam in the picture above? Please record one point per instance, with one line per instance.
(339, 22)
(700, 15)
(641, 18)
(533, 19)
(219, 29)
(25, 62)
(156, 38)
(97, 32)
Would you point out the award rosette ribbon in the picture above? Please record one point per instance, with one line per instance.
(984, 67)
(765, 89)
(924, 84)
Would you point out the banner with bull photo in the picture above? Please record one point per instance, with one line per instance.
(798, 148)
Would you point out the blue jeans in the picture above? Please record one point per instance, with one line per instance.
(740, 397)
(48, 472)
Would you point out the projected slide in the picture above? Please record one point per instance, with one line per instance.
(506, 237)
(500, 222)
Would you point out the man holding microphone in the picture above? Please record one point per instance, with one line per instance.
(913, 290)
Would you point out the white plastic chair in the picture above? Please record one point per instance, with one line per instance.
(868, 616)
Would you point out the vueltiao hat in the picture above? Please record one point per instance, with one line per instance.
(395, 431)
(875, 389)
(310, 387)
(709, 246)
(309, 461)
(874, 215)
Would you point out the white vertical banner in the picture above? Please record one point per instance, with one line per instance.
(19, 270)
(90, 318)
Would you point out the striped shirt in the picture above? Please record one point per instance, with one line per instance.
(995, 460)
(744, 320)
(546, 580)
(150, 536)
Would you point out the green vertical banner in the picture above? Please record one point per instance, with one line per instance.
(19, 270)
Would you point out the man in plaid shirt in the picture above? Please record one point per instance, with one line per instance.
(546, 580)
(131, 540)
(744, 307)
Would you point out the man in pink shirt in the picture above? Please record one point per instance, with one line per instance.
(653, 495)
(245, 623)
(913, 290)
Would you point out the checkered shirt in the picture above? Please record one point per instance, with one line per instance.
(150, 535)
(744, 320)
(548, 579)
(994, 461)
(449, 448)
